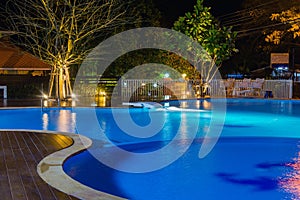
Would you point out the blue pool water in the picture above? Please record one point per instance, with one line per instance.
(237, 168)
(257, 156)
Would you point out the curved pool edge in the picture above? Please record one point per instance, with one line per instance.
(50, 169)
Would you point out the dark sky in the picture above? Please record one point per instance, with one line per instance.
(172, 9)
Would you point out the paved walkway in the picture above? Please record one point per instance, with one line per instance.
(20, 153)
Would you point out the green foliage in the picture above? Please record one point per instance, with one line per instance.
(201, 26)
(180, 64)
(253, 24)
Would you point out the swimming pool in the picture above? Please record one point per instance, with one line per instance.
(256, 156)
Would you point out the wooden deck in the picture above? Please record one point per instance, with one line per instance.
(20, 153)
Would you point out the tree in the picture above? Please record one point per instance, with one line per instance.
(290, 20)
(147, 15)
(62, 32)
(252, 23)
(217, 41)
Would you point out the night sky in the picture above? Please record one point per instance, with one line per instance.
(172, 9)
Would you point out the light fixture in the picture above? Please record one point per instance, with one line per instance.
(45, 96)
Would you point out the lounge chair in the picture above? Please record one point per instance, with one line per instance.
(244, 88)
(257, 86)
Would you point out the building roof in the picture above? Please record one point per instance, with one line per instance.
(13, 58)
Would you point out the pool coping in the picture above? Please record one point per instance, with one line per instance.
(50, 168)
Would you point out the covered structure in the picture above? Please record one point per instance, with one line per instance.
(15, 61)
(21, 73)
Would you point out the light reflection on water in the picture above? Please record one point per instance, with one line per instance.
(290, 182)
(45, 121)
(63, 120)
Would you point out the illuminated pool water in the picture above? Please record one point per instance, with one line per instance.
(257, 156)
(237, 168)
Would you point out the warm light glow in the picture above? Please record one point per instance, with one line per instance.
(45, 121)
(183, 104)
(206, 104)
(198, 104)
(291, 182)
(101, 101)
(45, 103)
(65, 120)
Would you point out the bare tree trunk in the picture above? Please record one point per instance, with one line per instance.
(61, 84)
(68, 82)
(51, 81)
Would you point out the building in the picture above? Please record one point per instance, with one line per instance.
(22, 73)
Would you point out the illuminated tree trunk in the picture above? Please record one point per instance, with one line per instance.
(51, 81)
(62, 33)
(61, 78)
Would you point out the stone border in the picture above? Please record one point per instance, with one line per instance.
(51, 171)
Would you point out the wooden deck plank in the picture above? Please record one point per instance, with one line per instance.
(34, 150)
(13, 170)
(20, 152)
(26, 175)
(4, 182)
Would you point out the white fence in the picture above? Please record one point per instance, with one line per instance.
(282, 89)
(151, 90)
(158, 90)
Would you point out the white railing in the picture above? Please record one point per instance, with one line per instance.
(282, 89)
(217, 88)
(151, 90)
(156, 90)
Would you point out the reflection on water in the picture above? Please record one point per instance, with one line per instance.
(206, 105)
(61, 119)
(45, 121)
(291, 181)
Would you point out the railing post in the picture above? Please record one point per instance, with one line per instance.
(291, 89)
(5, 92)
